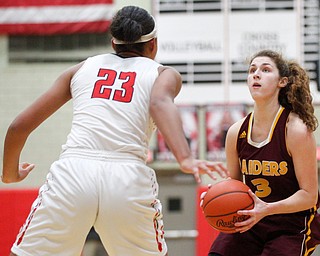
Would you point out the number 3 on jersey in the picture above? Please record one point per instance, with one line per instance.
(104, 88)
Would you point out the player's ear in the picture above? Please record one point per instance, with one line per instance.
(283, 81)
(113, 45)
(152, 48)
(152, 44)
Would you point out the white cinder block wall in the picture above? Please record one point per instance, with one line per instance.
(21, 84)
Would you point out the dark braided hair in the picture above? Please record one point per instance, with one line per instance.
(128, 25)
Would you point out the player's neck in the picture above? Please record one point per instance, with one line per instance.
(266, 113)
(129, 54)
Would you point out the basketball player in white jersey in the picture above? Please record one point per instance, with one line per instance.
(101, 178)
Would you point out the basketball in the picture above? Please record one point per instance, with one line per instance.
(222, 201)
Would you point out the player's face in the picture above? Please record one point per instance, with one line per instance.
(263, 79)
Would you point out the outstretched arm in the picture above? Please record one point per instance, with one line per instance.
(27, 121)
(167, 118)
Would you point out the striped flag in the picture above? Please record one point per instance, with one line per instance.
(52, 17)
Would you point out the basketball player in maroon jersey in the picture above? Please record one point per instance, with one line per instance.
(273, 150)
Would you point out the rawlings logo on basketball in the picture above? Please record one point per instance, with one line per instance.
(230, 224)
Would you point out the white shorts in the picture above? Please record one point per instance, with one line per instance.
(116, 194)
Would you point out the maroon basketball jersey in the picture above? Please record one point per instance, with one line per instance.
(267, 166)
(268, 170)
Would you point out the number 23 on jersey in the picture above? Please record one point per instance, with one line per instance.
(105, 87)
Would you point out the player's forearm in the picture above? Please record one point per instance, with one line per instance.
(10, 172)
(13, 145)
(300, 201)
(178, 146)
(166, 116)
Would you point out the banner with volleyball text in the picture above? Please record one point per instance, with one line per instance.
(52, 17)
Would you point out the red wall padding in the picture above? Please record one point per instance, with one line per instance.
(206, 234)
(15, 207)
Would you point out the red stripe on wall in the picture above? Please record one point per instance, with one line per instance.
(55, 28)
(15, 207)
(27, 3)
(206, 233)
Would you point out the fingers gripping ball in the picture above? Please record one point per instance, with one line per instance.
(222, 201)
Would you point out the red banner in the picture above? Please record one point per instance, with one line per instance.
(189, 116)
(52, 17)
(219, 118)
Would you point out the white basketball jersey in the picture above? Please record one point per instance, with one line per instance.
(111, 104)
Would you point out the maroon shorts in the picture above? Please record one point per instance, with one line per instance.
(276, 235)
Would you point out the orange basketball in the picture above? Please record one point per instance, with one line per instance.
(222, 201)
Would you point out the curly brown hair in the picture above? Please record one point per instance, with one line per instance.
(296, 94)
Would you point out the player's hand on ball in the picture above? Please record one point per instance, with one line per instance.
(203, 195)
(258, 212)
(222, 201)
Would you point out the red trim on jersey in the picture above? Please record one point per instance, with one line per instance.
(27, 223)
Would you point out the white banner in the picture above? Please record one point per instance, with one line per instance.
(200, 36)
(187, 37)
(251, 32)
